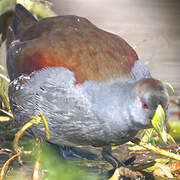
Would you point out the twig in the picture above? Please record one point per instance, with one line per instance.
(36, 120)
(7, 113)
(36, 173)
(5, 78)
(46, 126)
(143, 166)
(6, 164)
(4, 96)
(4, 118)
(155, 149)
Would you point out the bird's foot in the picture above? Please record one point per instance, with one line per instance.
(130, 160)
(106, 153)
(122, 166)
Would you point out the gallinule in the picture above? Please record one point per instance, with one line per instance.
(89, 83)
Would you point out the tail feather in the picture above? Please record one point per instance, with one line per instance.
(21, 21)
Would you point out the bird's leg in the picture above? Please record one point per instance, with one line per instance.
(130, 160)
(69, 152)
(106, 153)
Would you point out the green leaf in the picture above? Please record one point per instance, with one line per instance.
(158, 123)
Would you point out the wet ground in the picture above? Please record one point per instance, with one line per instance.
(93, 168)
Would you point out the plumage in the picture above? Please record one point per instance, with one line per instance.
(71, 42)
(88, 83)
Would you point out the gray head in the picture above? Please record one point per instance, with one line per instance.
(149, 93)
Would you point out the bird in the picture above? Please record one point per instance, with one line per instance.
(89, 83)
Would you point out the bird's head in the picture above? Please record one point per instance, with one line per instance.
(151, 104)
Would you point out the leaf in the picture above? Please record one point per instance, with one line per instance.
(158, 123)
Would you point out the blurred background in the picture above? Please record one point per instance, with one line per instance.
(151, 27)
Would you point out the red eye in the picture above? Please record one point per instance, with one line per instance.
(167, 106)
(144, 105)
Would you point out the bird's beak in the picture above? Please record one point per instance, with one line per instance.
(158, 123)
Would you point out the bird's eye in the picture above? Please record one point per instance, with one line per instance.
(167, 106)
(144, 105)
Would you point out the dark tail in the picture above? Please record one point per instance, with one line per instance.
(22, 20)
